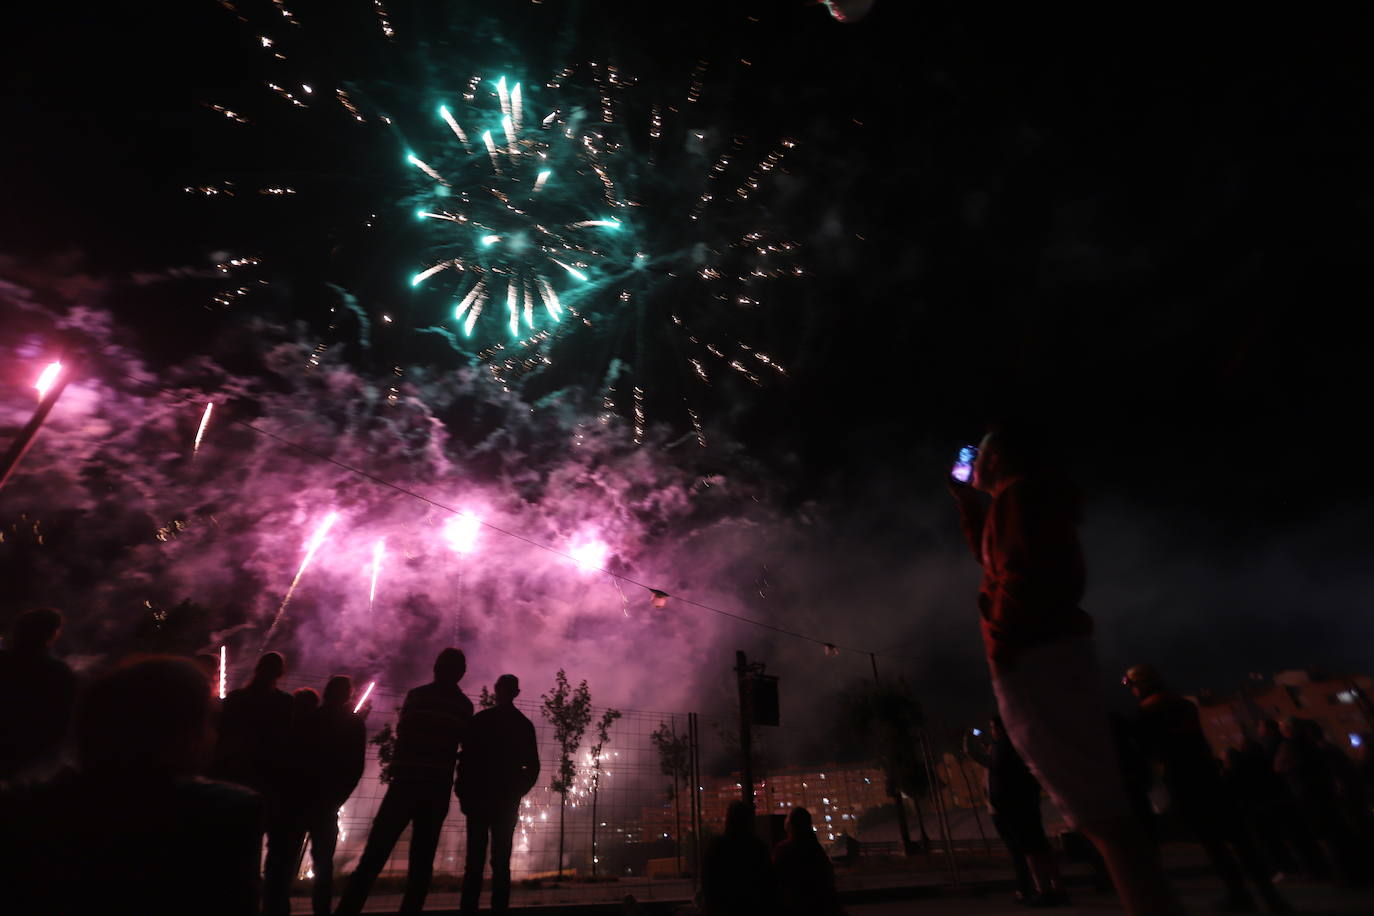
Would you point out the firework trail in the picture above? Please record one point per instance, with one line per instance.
(200, 432)
(312, 546)
(223, 671)
(47, 377)
(377, 550)
(366, 693)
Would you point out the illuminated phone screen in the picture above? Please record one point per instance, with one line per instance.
(963, 468)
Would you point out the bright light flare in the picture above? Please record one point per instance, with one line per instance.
(204, 421)
(543, 177)
(461, 531)
(590, 555)
(366, 693)
(47, 377)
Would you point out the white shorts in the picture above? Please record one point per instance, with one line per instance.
(1054, 712)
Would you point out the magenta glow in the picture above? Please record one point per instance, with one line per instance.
(47, 377)
(590, 555)
(461, 532)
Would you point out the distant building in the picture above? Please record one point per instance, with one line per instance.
(837, 795)
(1340, 705)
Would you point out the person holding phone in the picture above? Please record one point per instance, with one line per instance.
(1040, 650)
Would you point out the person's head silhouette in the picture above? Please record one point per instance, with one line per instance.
(739, 819)
(450, 666)
(271, 666)
(507, 688)
(147, 719)
(304, 701)
(35, 630)
(338, 691)
(1143, 681)
(799, 825)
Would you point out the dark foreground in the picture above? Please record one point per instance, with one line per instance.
(984, 893)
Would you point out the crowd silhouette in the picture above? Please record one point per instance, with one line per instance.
(172, 791)
(144, 788)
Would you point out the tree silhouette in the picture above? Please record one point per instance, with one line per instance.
(889, 718)
(386, 751)
(568, 711)
(486, 699)
(603, 734)
(673, 760)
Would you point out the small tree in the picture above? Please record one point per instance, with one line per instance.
(568, 711)
(486, 699)
(674, 752)
(386, 751)
(889, 718)
(603, 734)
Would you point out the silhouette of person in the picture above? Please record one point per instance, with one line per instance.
(36, 695)
(135, 829)
(1041, 654)
(254, 734)
(737, 874)
(336, 753)
(498, 765)
(286, 824)
(1306, 765)
(433, 720)
(1170, 730)
(1014, 800)
(1289, 821)
(254, 726)
(805, 877)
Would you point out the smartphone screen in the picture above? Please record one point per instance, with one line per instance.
(977, 733)
(963, 467)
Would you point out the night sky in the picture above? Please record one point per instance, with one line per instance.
(1146, 231)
